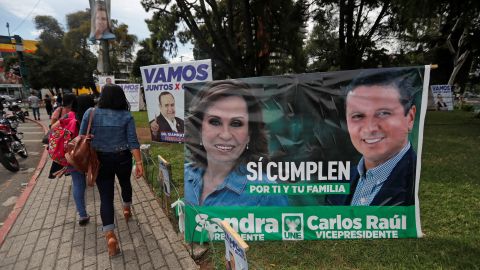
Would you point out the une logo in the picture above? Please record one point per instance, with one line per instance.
(292, 227)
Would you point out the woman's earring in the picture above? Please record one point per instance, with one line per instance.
(201, 144)
(247, 146)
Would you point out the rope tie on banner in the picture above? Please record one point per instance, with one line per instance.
(179, 205)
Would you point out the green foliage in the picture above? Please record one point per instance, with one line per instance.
(141, 119)
(467, 107)
(243, 39)
(146, 56)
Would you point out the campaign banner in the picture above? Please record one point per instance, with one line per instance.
(100, 25)
(333, 155)
(442, 95)
(132, 93)
(163, 86)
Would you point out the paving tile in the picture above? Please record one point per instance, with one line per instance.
(46, 234)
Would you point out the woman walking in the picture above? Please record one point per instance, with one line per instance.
(69, 118)
(48, 106)
(115, 140)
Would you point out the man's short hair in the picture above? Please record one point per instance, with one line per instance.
(401, 79)
(164, 93)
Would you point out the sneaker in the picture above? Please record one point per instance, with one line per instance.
(84, 221)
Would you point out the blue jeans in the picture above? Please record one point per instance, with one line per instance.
(78, 189)
(36, 113)
(111, 164)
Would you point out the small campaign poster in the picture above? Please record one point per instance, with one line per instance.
(103, 80)
(132, 93)
(163, 85)
(442, 96)
(235, 249)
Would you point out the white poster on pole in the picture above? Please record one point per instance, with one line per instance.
(132, 93)
(163, 85)
(442, 96)
(102, 80)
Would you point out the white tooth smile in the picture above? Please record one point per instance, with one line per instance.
(375, 140)
(224, 147)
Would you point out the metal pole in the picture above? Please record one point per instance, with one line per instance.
(8, 28)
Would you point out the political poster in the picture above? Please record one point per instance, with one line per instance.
(132, 93)
(235, 249)
(164, 175)
(442, 96)
(100, 25)
(163, 86)
(105, 79)
(333, 155)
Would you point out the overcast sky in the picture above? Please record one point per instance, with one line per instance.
(20, 13)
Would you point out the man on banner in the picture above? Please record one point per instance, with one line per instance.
(166, 121)
(380, 114)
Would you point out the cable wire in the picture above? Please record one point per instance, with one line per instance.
(28, 15)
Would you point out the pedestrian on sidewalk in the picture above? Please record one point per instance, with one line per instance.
(34, 102)
(48, 106)
(115, 140)
(70, 116)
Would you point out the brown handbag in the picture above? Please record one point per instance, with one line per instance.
(82, 156)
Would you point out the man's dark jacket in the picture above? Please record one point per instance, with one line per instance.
(165, 127)
(397, 190)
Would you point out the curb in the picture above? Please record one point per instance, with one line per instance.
(12, 217)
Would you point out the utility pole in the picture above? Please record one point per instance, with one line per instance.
(105, 56)
(8, 28)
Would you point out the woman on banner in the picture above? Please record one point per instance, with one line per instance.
(225, 131)
(115, 140)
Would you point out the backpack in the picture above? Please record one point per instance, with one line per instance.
(59, 137)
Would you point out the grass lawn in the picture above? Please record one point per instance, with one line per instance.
(449, 205)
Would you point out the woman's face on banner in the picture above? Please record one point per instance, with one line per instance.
(101, 21)
(225, 129)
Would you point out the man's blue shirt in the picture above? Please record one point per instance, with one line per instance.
(372, 180)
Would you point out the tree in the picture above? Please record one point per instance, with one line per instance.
(146, 56)
(77, 44)
(359, 29)
(447, 33)
(121, 49)
(246, 38)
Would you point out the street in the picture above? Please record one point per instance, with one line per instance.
(12, 184)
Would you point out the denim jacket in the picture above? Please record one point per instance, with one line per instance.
(232, 192)
(112, 130)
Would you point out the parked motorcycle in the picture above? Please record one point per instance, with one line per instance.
(16, 110)
(11, 143)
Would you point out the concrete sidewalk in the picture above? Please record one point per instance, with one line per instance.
(46, 234)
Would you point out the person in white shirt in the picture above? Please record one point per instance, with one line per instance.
(34, 102)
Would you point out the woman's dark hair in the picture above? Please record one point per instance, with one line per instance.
(209, 94)
(70, 101)
(113, 97)
(83, 103)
